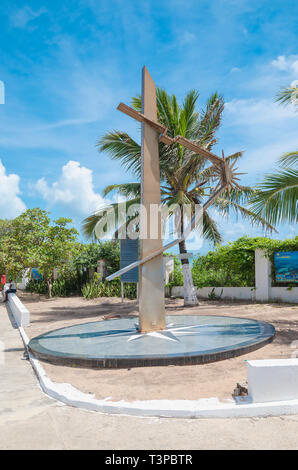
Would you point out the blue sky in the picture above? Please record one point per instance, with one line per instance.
(67, 65)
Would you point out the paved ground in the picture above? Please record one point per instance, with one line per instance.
(30, 420)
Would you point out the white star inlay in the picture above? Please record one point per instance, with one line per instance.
(170, 334)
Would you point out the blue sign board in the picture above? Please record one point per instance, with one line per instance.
(129, 253)
(36, 275)
(286, 266)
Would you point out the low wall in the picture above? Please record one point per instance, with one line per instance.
(239, 293)
(20, 312)
(284, 294)
(277, 294)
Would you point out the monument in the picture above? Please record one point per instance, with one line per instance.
(151, 307)
(154, 338)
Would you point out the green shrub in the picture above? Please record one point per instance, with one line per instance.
(62, 287)
(37, 287)
(232, 265)
(176, 277)
(96, 288)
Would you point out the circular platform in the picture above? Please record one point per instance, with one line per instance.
(188, 339)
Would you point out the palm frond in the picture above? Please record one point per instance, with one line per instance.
(210, 121)
(277, 197)
(129, 190)
(188, 118)
(136, 103)
(234, 156)
(90, 223)
(122, 147)
(289, 159)
(225, 206)
(210, 230)
(288, 95)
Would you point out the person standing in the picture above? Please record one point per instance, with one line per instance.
(3, 281)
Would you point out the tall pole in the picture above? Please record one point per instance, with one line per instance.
(151, 296)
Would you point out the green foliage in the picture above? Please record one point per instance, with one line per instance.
(92, 289)
(89, 254)
(213, 296)
(31, 240)
(186, 178)
(176, 277)
(62, 287)
(287, 95)
(232, 265)
(96, 288)
(37, 287)
(229, 265)
(277, 195)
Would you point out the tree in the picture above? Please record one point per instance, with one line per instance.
(56, 249)
(186, 177)
(276, 197)
(20, 239)
(88, 256)
(32, 241)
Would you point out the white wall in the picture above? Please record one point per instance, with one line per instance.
(240, 293)
(168, 267)
(20, 312)
(25, 279)
(282, 294)
(278, 294)
(263, 276)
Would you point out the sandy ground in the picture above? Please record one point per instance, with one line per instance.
(31, 420)
(173, 382)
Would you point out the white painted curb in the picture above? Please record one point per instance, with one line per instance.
(203, 408)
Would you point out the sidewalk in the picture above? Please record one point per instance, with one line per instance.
(20, 396)
(30, 420)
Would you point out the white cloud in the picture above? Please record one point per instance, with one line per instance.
(11, 205)
(23, 16)
(256, 111)
(287, 64)
(74, 189)
(235, 69)
(266, 129)
(186, 38)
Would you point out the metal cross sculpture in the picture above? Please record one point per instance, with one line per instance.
(151, 289)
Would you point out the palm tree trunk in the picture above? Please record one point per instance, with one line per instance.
(189, 292)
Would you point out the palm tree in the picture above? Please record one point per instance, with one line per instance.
(277, 196)
(186, 177)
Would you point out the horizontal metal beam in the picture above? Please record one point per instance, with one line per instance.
(199, 150)
(141, 118)
(162, 130)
